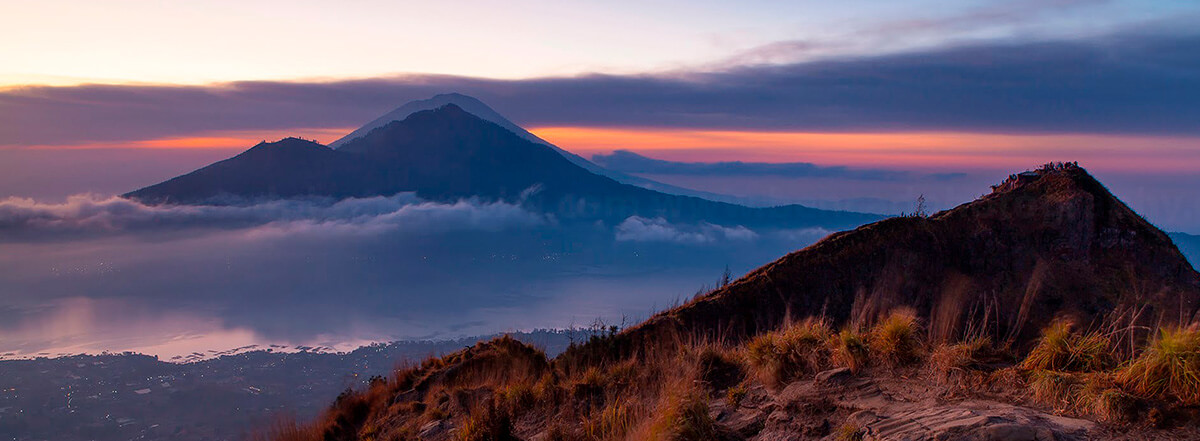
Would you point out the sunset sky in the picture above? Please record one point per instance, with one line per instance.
(852, 105)
(986, 87)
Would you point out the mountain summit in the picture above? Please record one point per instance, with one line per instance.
(477, 108)
(448, 153)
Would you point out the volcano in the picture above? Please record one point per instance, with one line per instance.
(448, 153)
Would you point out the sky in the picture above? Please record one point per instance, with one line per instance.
(854, 105)
(71, 41)
(939, 86)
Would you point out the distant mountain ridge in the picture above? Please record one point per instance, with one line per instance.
(1189, 245)
(447, 154)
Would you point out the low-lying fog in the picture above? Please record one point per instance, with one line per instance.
(98, 274)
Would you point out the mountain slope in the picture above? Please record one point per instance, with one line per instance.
(481, 110)
(1043, 244)
(287, 168)
(743, 363)
(448, 154)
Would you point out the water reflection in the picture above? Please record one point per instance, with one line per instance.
(342, 281)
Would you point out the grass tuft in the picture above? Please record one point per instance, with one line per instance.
(848, 432)
(486, 424)
(951, 363)
(1060, 349)
(1058, 390)
(684, 417)
(851, 350)
(1114, 405)
(799, 349)
(1169, 367)
(736, 394)
(895, 339)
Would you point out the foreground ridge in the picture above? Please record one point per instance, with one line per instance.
(1046, 309)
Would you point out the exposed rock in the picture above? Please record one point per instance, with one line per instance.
(833, 375)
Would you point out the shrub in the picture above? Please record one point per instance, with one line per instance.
(783, 356)
(894, 339)
(850, 350)
(1062, 350)
(1170, 366)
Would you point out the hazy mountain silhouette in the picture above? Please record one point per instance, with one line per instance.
(448, 153)
(481, 110)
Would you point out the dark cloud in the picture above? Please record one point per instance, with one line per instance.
(1129, 83)
(630, 162)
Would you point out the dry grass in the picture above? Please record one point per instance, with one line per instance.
(851, 350)
(848, 432)
(952, 363)
(1168, 368)
(1114, 405)
(1060, 349)
(783, 356)
(895, 340)
(287, 429)
(486, 424)
(735, 395)
(716, 366)
(1059, 390)
(516, 398)
(683, 416)
(613, 421)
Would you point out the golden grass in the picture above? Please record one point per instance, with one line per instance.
(486, 424)
(1114, 405)
(783, 356)
(895, 340)
(951, 363)
(516, 398)
(1058, 390)
(735, 395)
(851, 350)
(614, 421)
(848, 432)
(683, 416)
(1168, 368)
(1060, 349)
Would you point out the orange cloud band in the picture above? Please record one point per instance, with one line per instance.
(911, 149)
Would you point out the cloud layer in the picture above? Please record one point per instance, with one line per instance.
(82, 216)
(640, 229)
(1132, 83)
(630, 162)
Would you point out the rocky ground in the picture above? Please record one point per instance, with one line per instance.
(908, 404)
